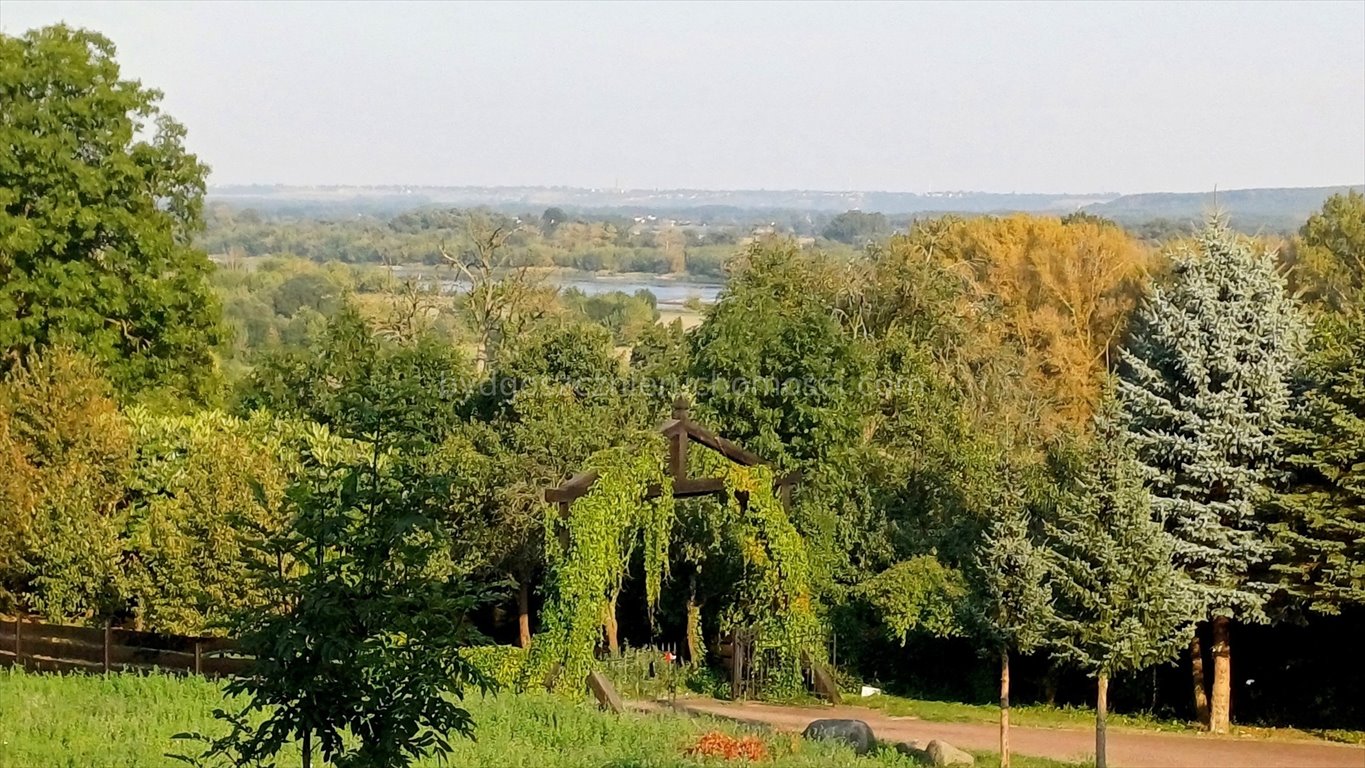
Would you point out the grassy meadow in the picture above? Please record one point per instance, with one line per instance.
(1043, 716)
(128, 720)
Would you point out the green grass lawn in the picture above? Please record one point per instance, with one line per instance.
(1032, 716)
(1025, 716)
(128, 720)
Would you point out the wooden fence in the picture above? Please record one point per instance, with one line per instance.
(61, 648)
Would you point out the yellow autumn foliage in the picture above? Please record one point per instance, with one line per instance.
(1052, 297)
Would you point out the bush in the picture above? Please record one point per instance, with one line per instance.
(502, 665)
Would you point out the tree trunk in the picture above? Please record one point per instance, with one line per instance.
(1221, 709)
(1005, 709)
(523, 613)
(484, 352)
(1101, 714)
(609, 623)
(1201, 693)
(307, 749)
(694, 651)
(1050, 686)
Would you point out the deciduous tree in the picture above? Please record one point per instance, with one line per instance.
(1327, 259)
(98, 203)
(65, 453)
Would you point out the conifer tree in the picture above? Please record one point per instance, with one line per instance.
(1320, 523)
(1121, 604)
(1013, 599)
(1205, 390)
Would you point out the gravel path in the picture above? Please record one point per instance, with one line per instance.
(1127, 748)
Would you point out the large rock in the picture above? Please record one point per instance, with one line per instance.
(943, 753)
(915, 751)
(854, 733)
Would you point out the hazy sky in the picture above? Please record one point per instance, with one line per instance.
(871, 96)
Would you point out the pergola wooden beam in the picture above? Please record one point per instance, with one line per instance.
(678, 426)
(573, 487)
(580, 484)
(680, 431)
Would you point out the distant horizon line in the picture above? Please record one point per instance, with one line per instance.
(930, 193)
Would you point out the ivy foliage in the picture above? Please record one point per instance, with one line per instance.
(590, 550)
(588, 567)
(775, 596)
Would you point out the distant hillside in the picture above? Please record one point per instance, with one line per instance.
(1250, 209)
(1274, 208)
(521, 199)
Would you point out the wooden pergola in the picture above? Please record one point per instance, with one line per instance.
(681, 432)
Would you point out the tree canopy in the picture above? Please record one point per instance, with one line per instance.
(100, 203)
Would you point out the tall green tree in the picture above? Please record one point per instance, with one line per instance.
(1327, 259)
(362, 607)
(1013, 599)
(98, 204)
(350, 367)
(856, 227)
(776, 370)
(1320, 519)
(1121, 604)
(1205, 389)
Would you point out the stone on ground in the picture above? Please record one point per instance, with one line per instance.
(854, 733)
(915, 751)
(943, 753)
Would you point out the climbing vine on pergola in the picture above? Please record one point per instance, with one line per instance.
(622, 500)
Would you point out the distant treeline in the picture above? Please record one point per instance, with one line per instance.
(551, 238)
(696, 241)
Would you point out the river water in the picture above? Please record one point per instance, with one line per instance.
(670, 292)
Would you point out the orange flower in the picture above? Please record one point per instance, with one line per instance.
(717, 744)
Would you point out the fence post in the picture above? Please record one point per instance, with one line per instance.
(108, 631)
(18, 642)
(197, 670)
(736, 666)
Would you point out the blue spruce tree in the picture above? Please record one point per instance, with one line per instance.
(1320, 520)
(1120, 603)
(1204, 384)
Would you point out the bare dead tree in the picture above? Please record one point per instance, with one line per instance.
(502, 300)
(412, 304)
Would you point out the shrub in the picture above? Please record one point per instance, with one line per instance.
(501, 665)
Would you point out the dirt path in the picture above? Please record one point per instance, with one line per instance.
(1127, 748)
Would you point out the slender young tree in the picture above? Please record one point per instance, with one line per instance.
(1205, 389)
(1121, 604)
(1014, 600)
